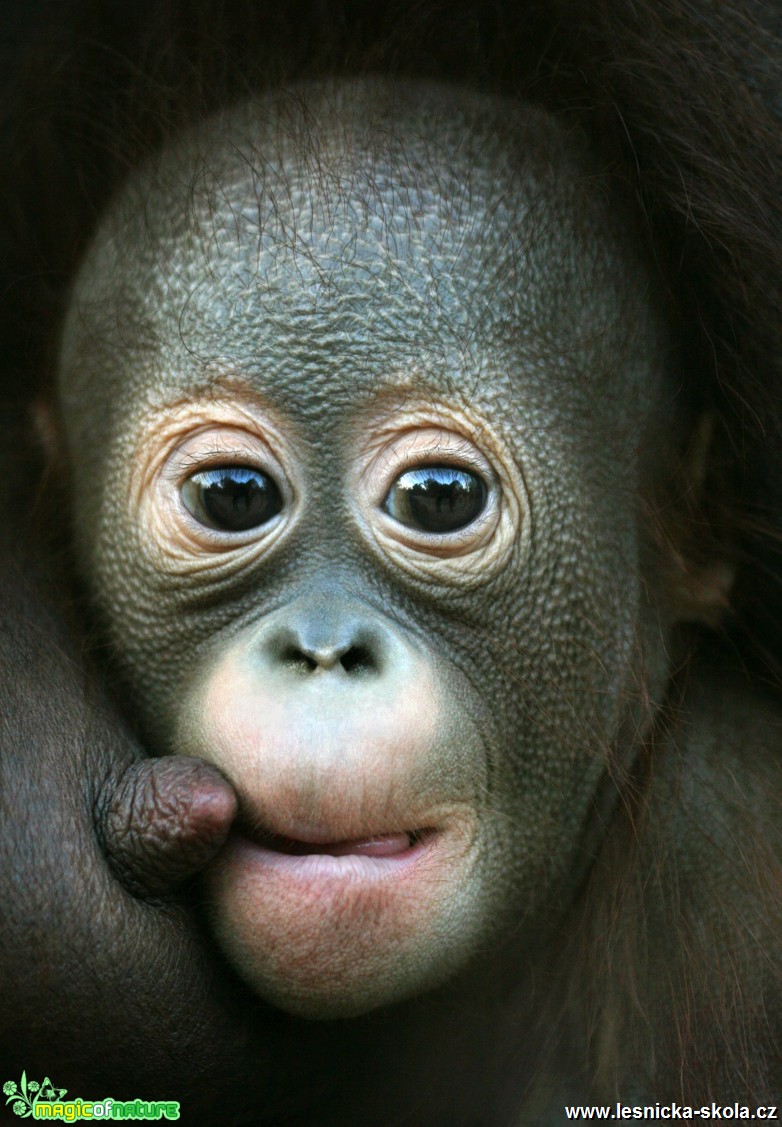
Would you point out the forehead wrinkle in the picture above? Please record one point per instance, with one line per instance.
(369, 249)
(333, 245)
(337, 224)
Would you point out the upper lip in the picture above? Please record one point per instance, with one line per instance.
(296, 840)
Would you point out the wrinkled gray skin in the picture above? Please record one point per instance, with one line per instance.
(332, 286)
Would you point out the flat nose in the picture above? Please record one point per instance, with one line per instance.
(318, 638)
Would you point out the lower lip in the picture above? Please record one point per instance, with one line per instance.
(327, 936)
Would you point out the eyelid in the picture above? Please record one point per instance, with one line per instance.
(222, 445)
(413, 434)
(178, 441)
(184, 463)
(437, 447)
(446, 448)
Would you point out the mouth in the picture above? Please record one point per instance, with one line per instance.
(386, 845)
(323, 920)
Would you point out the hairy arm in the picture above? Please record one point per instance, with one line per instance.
(107, 984)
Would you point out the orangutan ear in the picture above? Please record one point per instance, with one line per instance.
(48, 432)
(701, 569)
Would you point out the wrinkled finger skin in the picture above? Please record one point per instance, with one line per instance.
(164, 821)
(94, 973)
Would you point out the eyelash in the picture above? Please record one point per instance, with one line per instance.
(185, 464)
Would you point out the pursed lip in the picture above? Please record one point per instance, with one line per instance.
(338, 836)
(372, 845)
(270, 844)
(327, 935)
(370, 858)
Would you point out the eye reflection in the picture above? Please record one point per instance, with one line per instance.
(232, 498)
(437, 499)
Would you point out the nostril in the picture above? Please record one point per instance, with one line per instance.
(313, 646)
(297, 660)
(354, 660)
(359, 659)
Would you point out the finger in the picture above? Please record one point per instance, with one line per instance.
(166, 819)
